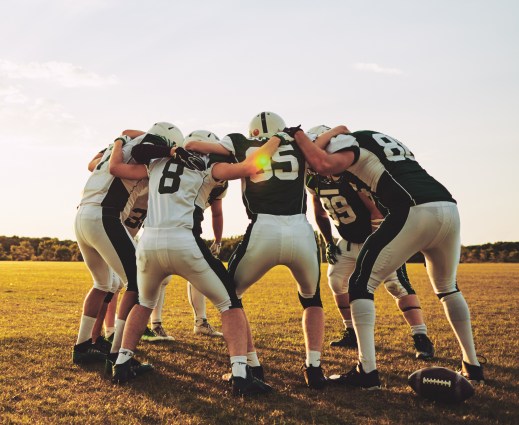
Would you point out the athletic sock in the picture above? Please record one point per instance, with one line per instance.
(85, 329)
(458, 315)
(238, 365)
(313, 358)
(418, 329)
(348, 323)
(109, 331)
(199, 321)
(124, 355)
(363, 315)
(252, 359)
(118, 336)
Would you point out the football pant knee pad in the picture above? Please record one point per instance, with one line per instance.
(396, 289)
(310, 300)
(337, 286)
(225, 305)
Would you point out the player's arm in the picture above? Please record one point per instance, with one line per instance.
(217, 221)
(132, 134)
(206, 147)
(253, 164)
(322, 220)
(376, 216)
(119, 168)
(95, 160)
(321, 161)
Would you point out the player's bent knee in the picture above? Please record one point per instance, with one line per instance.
(337, 286)
(395, 289)
(105, 287)
(310, 300)
(148, 303)
(225, 305)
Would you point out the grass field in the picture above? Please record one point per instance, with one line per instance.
(40, 311)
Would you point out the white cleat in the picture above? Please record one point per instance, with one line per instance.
(206, 329)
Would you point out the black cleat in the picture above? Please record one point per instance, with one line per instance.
(242, 387)
(257, 372)
(474, 374)
(348, 339)
(103, 345)
(128, 370)
(314, 377)
(86, 353)
(110, 363)
(356, 377)
(424, 347)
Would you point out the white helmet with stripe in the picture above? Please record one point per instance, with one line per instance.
(266, 124)
(202, 135)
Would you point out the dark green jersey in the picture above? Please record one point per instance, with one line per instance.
(343, 205)
(390, 170)
(279, 188)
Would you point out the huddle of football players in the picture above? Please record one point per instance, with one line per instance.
(384, 205)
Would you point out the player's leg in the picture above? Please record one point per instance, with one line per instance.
(442, 258)
(198, 304)
(209, 276)
(304, 264)
(400, 288)
(156, 331)
(338, 275)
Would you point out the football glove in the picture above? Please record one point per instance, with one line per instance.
(332, 251)
(285, 138)
(215, 249)
(291, 131)
(190, 159)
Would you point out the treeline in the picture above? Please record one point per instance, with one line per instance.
(52, 249)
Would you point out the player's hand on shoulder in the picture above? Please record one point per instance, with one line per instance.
(332, 251)
(291, 131)
(191, 160)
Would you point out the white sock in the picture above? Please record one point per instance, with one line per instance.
(109, 331)
(363, 316)
(418, 329)
(348, 323)
(118, 336)
(238, 365)
(313, 358)
(124, 356)
(85, 329)
(458, 315)
(252, 359)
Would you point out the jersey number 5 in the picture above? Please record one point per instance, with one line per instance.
(283, 165)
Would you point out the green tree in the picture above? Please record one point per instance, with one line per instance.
(22, 252)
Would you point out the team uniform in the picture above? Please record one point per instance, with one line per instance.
(171, 241)
(279, 233)
(422, 216)
(352, 220)
(102, 238)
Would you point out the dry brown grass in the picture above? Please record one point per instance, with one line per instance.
(41, 306)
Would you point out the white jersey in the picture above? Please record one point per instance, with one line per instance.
(177, 195)
(133, 215)
(106, 190)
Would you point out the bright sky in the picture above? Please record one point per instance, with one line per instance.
(442, 77)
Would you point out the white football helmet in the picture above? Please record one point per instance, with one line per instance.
(169, 132)
(266, 124)
(203, 135)
(318, 130)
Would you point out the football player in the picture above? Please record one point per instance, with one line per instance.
(179, 187)
(422, 216)
(279, 233)
(103, 240)
(355, 216)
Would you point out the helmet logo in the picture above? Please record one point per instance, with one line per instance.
(255, 132)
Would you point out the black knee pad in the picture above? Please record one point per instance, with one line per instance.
(440, 296)
(360, 294)
(109, 297)
(315, 301)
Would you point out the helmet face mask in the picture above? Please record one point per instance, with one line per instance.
(168, 132)
(265, 125)
(202, 135)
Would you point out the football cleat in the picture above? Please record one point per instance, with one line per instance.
(257, 372)
(128, 370)
(86, 353)
(473, 374)
(314, 377)
(356, 377)
(103, 345)
(158, 333)
(243, 387)
(206, 329)
(348, 339)
(424, 347)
